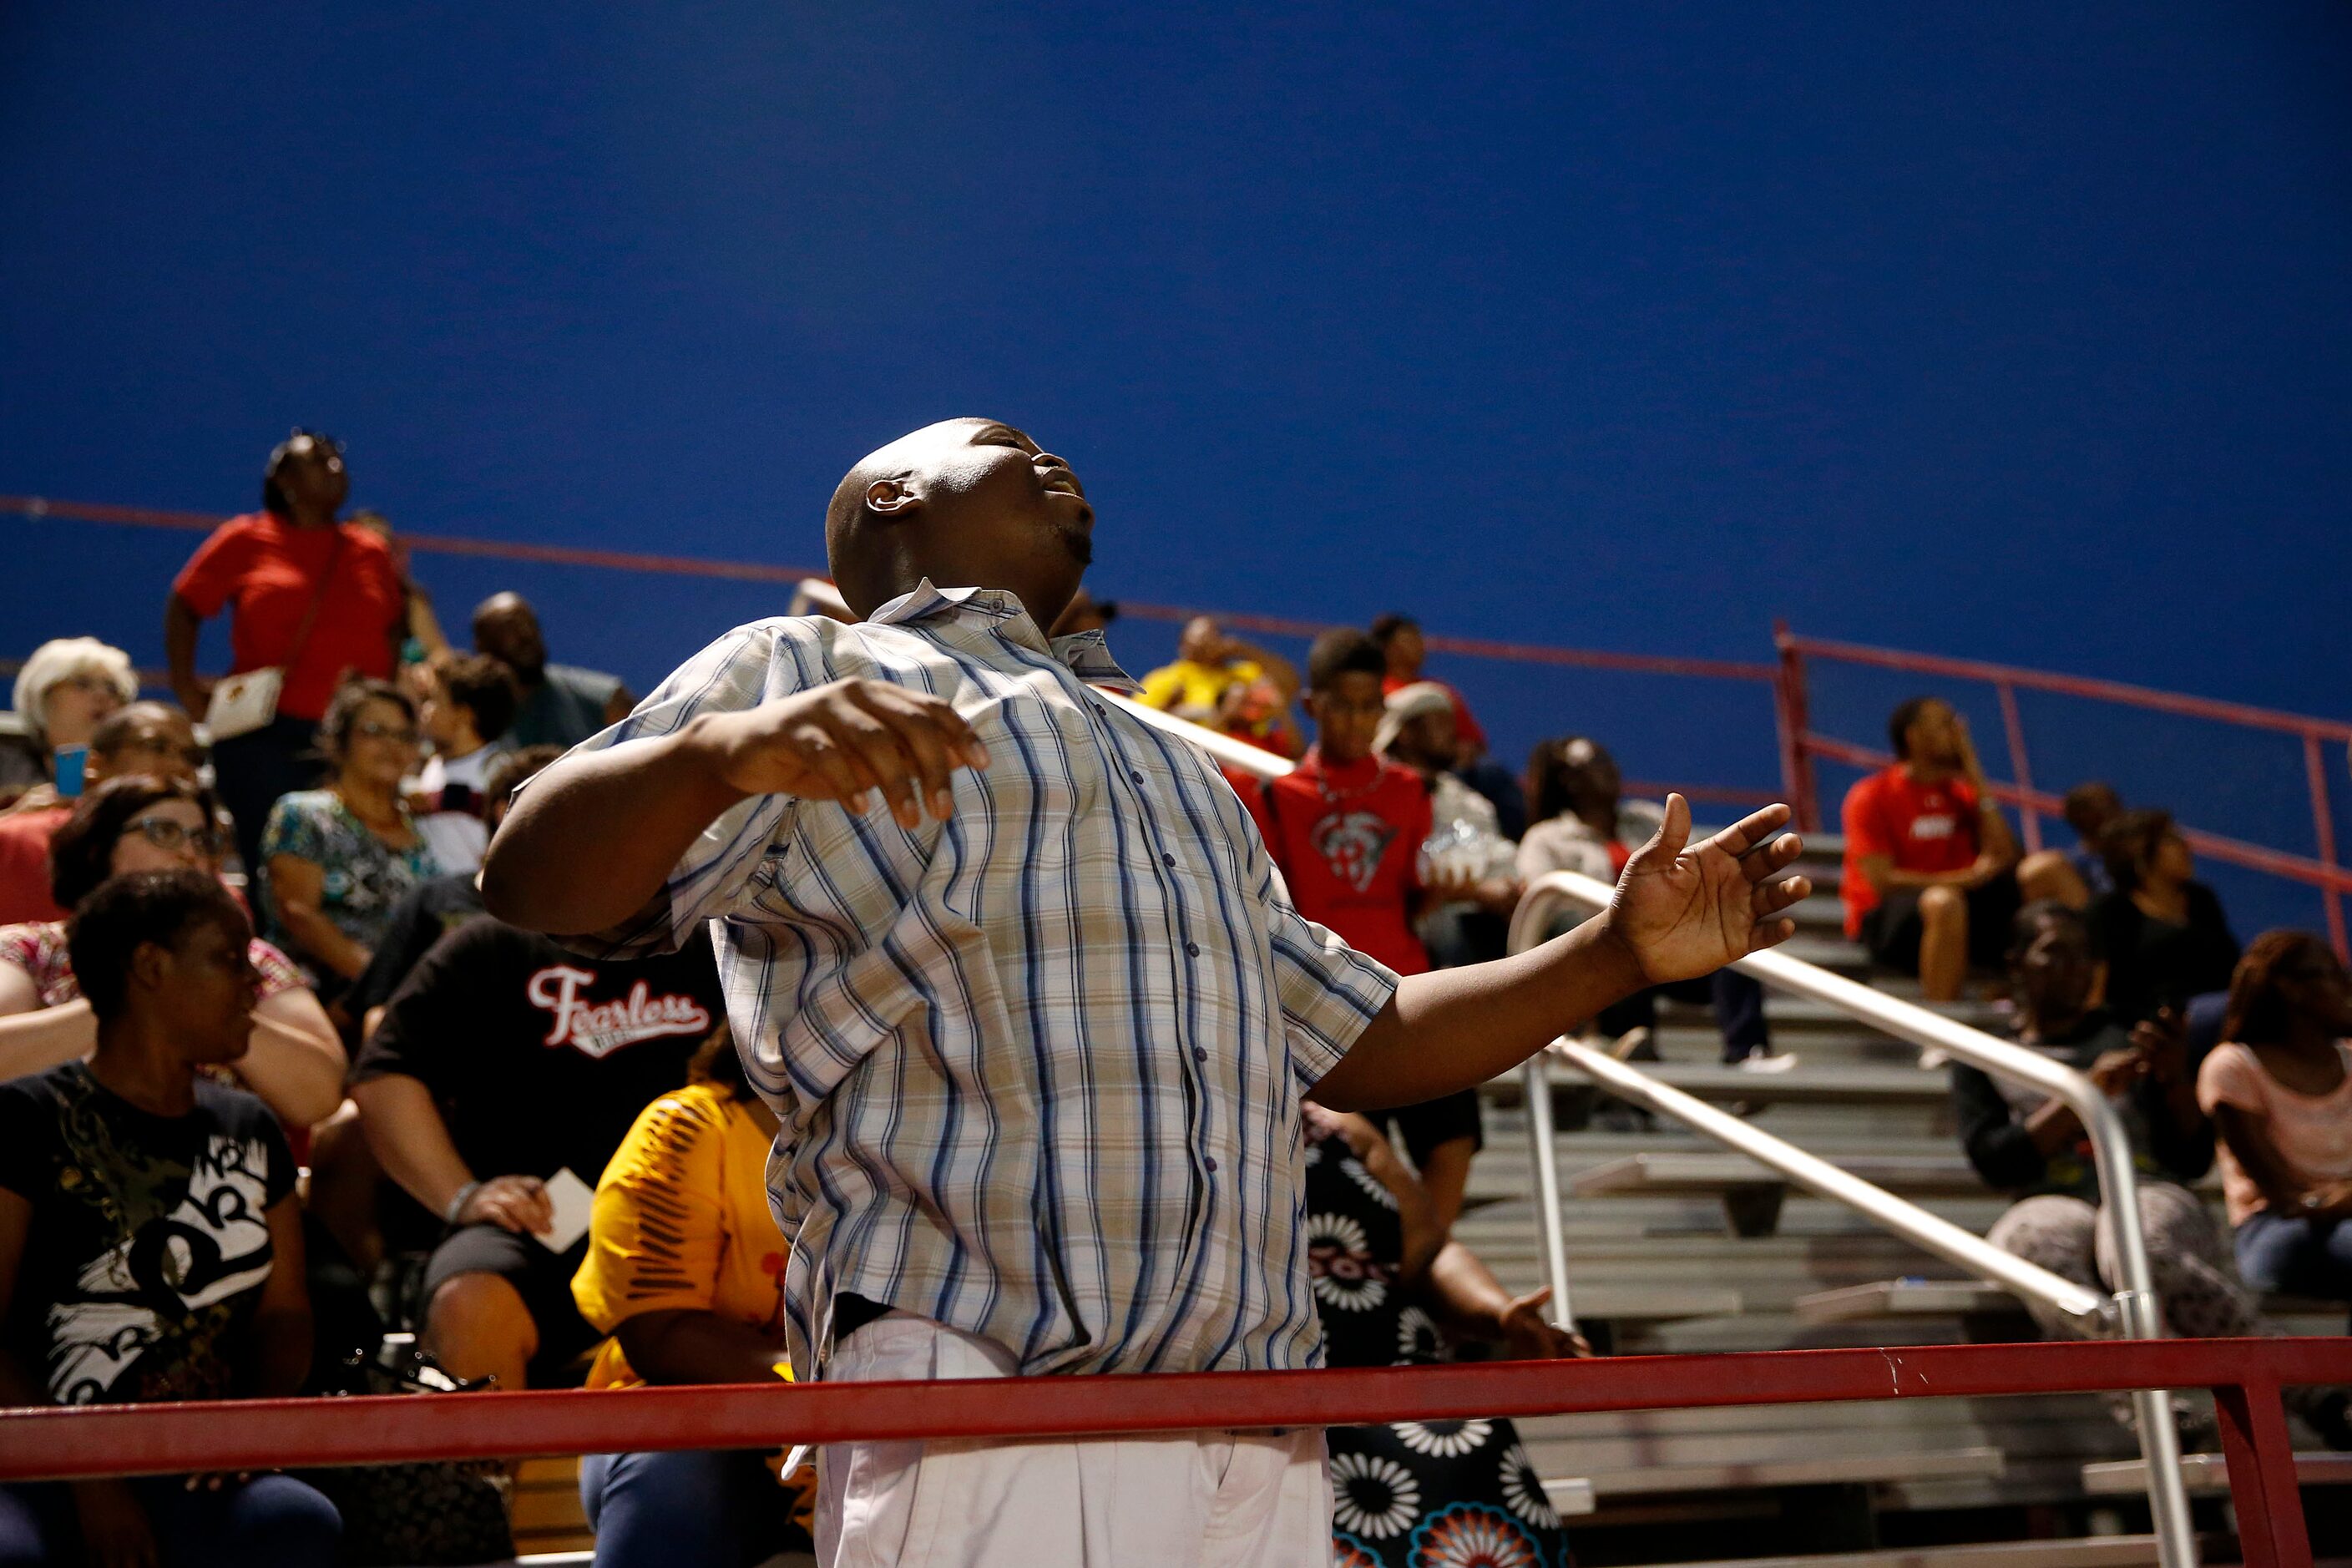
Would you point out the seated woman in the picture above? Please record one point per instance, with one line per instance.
(337, 858)
(1416, 1492)
(150, 1230)
(63, 692)
(2280, 1092)
(2161, 931)
(685, 1270)
(144, 822)
(2034, 1149)
(1583, 824)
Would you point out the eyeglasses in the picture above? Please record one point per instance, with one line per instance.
(125, 760)
(168, 834)
(96, 684)
(375, 731)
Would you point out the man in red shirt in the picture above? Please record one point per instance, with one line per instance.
(1929, 881)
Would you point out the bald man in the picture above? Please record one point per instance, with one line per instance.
(562, 704)
(1013, 969)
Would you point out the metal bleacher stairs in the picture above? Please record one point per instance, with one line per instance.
(1678, 1245)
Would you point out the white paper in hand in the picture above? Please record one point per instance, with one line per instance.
(571, 1199)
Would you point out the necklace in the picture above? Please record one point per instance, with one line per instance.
(390, 826)
(1342, 797)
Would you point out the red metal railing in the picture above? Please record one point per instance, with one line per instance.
(38, 506)
(2245, 1376)
(1801, 744)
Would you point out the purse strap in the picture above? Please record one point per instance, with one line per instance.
(318, 597)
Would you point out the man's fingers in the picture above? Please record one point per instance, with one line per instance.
(814, 747)
(1773, 897)
(1529, 1306)
(936, 713)
(1673, 828)
(1770, 934)
(920, 733)
(1776, 856)
(874, 747)
(1755, 828)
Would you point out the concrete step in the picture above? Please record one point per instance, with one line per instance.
(1905, 1298)
(1713, 1172)
(2210, 1473)
(1807, 1082)
(1625, 1302)
(1851, 1469)
(2093, 1552)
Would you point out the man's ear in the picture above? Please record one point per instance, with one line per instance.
(892, 498)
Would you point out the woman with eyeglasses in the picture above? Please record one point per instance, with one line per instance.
(308, 597)
(65, 690)
(144, 822)
(336, 860)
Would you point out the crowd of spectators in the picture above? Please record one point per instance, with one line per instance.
(250, 1004)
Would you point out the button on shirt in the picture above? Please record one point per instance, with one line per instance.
(1039, 1064)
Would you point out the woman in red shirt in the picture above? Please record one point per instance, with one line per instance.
(306, 595)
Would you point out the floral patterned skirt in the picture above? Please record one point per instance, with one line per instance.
(1440, 1494)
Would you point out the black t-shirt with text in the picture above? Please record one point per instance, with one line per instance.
(541, 1059)
(149, 1243)
(431, 909)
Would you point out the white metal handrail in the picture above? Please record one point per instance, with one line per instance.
(1929, 1232)
(2135, 1305)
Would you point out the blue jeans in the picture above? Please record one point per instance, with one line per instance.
(2300, 1257)
(272, 1522)
(726, 1510)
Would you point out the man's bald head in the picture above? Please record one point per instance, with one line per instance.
(506, 629)
(967, 503)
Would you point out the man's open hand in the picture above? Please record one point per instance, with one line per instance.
(1686, 909)
(842, 739)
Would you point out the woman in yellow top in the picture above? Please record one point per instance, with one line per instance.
(686, 1271)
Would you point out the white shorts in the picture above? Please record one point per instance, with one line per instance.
(1177, 1499)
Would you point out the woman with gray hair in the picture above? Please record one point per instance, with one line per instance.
(63, 692)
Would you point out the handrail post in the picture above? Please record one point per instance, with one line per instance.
(1791, 717)
(1536, 1080)
(2019, 768)
(2323, 828)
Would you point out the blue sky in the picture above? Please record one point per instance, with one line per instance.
(2015, 332)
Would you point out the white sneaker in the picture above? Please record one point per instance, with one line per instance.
(1626, 1044)
(1759, 1061)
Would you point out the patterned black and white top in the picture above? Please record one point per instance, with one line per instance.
(1412, 1494)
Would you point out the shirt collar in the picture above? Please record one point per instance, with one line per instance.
(1086, 654)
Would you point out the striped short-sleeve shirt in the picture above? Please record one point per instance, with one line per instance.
(1039, 1064)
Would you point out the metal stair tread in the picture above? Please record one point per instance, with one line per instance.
(2210, 1473)
(2091, 1551)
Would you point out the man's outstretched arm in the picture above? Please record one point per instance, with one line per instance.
(1682, 911)
(595, 838)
